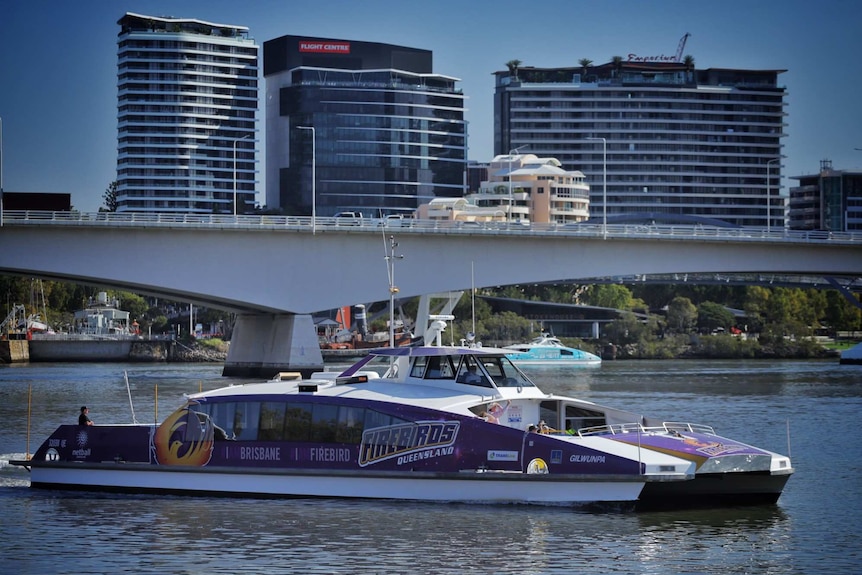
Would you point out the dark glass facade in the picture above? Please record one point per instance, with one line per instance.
(385, 140)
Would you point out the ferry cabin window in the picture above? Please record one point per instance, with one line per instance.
(374, 419)
(297, 422)
(440, 367)
(470, 373)
(323, 420)
(292, 421)
(222, 414)
(349, 427)
(246, 418)
(579, 418)
(418, 369)
(271, 421)
(504, 373)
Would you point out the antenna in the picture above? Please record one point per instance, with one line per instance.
(129, 391)
(390, 267)
(473, 299)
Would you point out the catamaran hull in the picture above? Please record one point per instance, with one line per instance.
(716, 490)
(473, 487)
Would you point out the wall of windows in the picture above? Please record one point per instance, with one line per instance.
(298, 420)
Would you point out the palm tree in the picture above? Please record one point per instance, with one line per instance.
(617, 61)
(689, 66)
(584, 62)
(513, 66)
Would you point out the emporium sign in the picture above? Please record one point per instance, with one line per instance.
(325, 47)
(659, 58)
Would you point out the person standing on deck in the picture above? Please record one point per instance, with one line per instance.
(84, 418)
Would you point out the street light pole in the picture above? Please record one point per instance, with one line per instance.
(769, 195)
(604, 185)
(313, 177)
(236, 140)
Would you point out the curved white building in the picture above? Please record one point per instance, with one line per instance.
(527, 188)
(670, 139)
(187, 99)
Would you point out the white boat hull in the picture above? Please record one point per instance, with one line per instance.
(473, 487)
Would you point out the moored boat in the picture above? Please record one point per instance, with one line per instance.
(429, 423)
(549, 350)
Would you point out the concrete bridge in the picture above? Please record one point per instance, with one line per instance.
(275, 270)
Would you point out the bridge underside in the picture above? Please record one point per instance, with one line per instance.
(263, 345)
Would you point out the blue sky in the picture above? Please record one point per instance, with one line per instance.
(58, 64)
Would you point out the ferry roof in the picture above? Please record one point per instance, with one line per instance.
(414, 393)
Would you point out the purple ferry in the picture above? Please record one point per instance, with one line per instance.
(433, 423)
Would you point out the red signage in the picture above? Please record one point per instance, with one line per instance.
(325, 47)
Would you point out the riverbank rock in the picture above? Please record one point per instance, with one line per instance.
(199, 352)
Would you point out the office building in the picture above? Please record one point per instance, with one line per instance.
(359, 126)
(830, 200)
(187, 98)
(670, 139)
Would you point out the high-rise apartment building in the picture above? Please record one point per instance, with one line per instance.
(187, 104)
(670, 139)
(830, 200)
(359, 126)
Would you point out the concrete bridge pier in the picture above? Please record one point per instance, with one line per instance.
(265, 344)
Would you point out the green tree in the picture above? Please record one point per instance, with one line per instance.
(755, 306)
(689, 67)
(110, 197)
(617, 61)
(681, 315)
(626, 329)
(610, 295)
(513, 66)
(711, 316)
(585, 63)
(507, 327)
(841, 315)
(136, 305)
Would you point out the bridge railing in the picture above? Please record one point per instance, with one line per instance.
(409, 225)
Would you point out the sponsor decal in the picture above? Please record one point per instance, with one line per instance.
(587, 459)
(494, 455)
(81, 439)
(713, 448)
(556, 456)
(537, 465)
(260, 453)
(181, 439)
(515, 415)
(325, 47)
(408, 442)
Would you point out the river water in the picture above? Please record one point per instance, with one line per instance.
(815, 407)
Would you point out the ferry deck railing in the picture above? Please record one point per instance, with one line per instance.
(665, 427)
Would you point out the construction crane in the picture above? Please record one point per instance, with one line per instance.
(681, 47)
